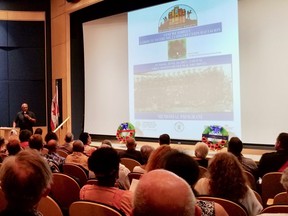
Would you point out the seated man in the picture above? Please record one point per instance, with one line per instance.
(164, 139)
(201, 151)
(273, 161)
(161, 192)
(13, 146)
(235, 146)
(36, 142)
(68, 145)
(52, 154)
(24, 138)
(131, 151)
(104, 162)
(78, 156)
(25, 178)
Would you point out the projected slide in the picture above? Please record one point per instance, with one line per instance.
(184, 68)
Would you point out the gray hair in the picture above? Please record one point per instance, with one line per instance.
(24, 178)
(284, 179)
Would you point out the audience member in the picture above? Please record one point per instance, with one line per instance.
(164, 139)
(24, 138)
(227, 180)
(187, 168)
(49, 136)
(25, 178)
(235, 146)
(86, 139)
(106, 143)
(146, 151)
(131, 151)
(52, 153)
(284, 179)
(123, 181)
(13, 146)
(38, 131)
(273, 161)
(36, 142)
(154, 161)
(201, 151)
(161, 192)
(3, 150)
(105, 164)
(78, 156)
(68, 144)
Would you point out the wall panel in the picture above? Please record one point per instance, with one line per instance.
(4, 105)
(26, 34)
(26, 64)
(3, 33)
(3, 63)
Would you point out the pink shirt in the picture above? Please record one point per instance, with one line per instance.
(120, 199)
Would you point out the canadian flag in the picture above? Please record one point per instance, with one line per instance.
(54, 111)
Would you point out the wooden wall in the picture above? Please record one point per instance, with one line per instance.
(60, 44)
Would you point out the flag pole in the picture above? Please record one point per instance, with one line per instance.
(56, 129)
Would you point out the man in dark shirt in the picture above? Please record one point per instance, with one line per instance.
(131, 151)
(25, 119)
(273, 161)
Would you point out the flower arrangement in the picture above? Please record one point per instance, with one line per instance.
(124, 131)
(215, 137)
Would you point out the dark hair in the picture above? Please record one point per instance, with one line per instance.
(84, 137)
(38, 131)
(104, 162)
(164, 139)
(235, 146)
(36, 142)
(182, 165)
(49, 136)
(25, 135)
(69, 137)
(283, 140)
(13, 146)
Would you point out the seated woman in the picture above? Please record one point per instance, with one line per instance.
(105, 164)
(227, 180)
(146, 151)
(179, 163)
(201, 151)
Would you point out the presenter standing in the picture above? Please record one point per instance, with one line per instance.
(25, 119)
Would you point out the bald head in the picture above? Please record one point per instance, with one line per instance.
(52, 145)
(78, 146)
(153, 197)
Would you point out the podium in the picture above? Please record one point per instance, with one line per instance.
(5, 131)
